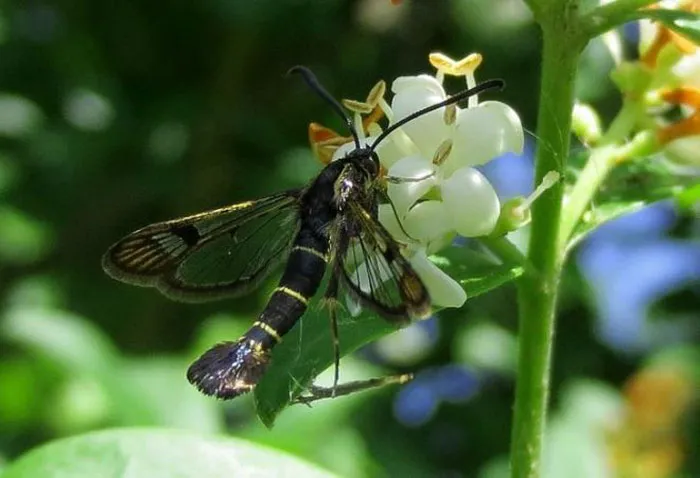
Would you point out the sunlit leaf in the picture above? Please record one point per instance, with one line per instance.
(68, 340)
(307, 350)
(154, 392)
(154, 453)
(23, 239)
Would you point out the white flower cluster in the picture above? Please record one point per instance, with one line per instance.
(435, 189)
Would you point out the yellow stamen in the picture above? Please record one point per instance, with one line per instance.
(376, 93)
(357, 106)
(374, 117)
(443, 152)
(450, 115)
(446, 65)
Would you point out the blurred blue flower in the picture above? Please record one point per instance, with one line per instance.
(418, 401)
(511, 174)
(630, 264)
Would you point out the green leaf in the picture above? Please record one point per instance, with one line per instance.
(681, 21)
(306, 352)
(23, 239)
(633, 186)
(308, 349)
(153, 453)
(601, 214)
(68, 340)
(689, 198)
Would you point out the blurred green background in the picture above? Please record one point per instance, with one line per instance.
(117, 114)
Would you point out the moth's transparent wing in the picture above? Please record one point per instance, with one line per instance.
(220, 253)
(375, 272)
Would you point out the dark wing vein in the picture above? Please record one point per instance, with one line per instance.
(225, 252)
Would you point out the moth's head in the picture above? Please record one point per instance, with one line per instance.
(365, 160)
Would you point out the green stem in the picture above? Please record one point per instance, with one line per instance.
(596, 170)
(562, 44)
(610, 15)
(598, 166)
(624, 122)
(507, 252)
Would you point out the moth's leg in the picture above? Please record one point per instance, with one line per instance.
(385, 197)
(331, 299)
(315, 393)
(399, 180)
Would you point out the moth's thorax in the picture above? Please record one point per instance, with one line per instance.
(347, 179)
(355, 179)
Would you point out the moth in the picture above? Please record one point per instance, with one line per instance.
(330, 226)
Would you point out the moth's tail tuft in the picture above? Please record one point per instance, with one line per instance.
(229, 369)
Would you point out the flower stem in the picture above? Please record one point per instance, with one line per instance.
(599, 164)
(507, 252)
(562, 43)
(623, 123)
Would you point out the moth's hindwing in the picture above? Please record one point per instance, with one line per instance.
(374, 270)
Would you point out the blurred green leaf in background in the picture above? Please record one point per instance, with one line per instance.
(114, 115)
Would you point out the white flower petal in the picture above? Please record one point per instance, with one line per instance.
(389, 151)
(483, 133)
(404, 194)
(471, 202)
(388, 219)
(425, 82)
(427, 221)
(412, 94)
(444, 291)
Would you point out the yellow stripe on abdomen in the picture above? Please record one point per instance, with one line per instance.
(311, 250)
(294, 294)
(272, 332)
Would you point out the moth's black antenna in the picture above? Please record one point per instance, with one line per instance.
(486, 85)
(314, 84)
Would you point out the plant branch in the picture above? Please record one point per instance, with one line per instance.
(598, 166)
(610, 15)
(562, 43)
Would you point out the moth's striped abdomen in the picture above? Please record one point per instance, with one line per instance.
(230, 369)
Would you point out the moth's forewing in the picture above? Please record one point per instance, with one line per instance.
(224, 252)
